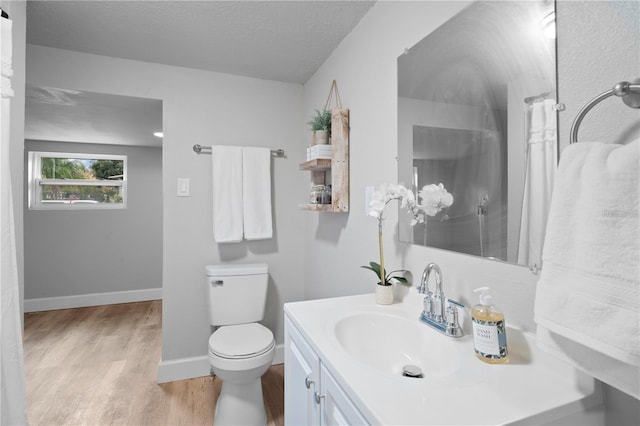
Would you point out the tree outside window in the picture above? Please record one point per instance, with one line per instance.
(77, 179)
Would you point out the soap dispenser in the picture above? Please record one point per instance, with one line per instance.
(489, 331)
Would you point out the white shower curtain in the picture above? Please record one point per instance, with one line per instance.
(13, 405)
(541, 166)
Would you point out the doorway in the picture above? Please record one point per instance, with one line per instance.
(81, 252)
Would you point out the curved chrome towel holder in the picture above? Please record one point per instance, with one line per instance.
(630, 94)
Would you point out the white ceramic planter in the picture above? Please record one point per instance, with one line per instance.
(384, 294)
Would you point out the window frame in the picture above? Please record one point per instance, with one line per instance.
(36, 182)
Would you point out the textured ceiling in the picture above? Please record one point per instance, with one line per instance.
(274, 40)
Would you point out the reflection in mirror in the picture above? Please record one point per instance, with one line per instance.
(476, 112)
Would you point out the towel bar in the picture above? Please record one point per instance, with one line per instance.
(630, 94)
(203, 149)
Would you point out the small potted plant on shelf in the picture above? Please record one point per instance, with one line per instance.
(321, 127)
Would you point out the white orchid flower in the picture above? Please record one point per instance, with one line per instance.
(434, 199)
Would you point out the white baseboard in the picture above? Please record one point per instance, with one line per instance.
(279, 357)
(94, 299)
(183, 368)
(197, 366)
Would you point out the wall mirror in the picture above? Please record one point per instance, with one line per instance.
(477, 113)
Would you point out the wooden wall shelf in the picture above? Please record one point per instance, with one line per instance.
(317, 207)
(317, 164)
(337, 168)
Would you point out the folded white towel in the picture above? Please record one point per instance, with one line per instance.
(256, 193)
(589, 287)
(618, 374)
(227, 193)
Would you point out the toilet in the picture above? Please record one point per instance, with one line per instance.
(240, 349)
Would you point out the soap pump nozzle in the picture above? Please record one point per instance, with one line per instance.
(485, 297)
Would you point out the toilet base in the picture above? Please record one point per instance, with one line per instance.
(240, 404)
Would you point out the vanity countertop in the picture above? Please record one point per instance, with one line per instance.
(532, 388)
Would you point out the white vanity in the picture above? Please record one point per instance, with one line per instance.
(344, 359)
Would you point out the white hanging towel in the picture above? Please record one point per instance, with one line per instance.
(256, 193)
(227, 193)
(587, 303)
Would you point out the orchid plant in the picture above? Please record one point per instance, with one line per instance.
(434, 199)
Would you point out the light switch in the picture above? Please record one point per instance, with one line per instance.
(183, 187)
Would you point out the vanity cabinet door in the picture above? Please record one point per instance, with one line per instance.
(301, 379)
(336, 407)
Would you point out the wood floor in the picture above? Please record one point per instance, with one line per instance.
(98, 366)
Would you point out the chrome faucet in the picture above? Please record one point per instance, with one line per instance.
(435, 301)
(434, 313)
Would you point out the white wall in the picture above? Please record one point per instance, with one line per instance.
(73, 258)
(598, 47)
(205, 108)
(365, 68)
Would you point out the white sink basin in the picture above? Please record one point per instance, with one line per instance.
(364, 347)
(389, 342)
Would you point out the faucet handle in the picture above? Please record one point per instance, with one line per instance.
(427, 305)
(453, 328)
(455, 303)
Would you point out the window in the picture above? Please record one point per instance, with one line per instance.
(60, 181)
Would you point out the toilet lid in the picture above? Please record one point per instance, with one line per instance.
(241, 341)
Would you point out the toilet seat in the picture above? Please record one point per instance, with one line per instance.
(241, 341)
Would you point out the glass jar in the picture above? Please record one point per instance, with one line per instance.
(326, 194)
(316, 194)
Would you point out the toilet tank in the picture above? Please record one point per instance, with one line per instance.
(237, 293)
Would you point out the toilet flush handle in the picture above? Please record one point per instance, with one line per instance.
(216, 282)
